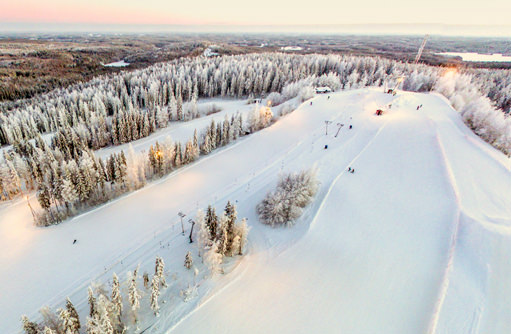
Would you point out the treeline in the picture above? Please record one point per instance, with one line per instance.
(119, 108)
(149, 98)
(123, 308)
(70, 178)
(124, 107)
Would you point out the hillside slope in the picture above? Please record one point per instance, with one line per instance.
(417, 240)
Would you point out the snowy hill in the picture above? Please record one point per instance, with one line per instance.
(417, 240)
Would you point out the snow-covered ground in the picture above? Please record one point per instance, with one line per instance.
(417, 240)
(120, 63)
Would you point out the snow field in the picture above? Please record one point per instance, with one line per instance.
(416, 240)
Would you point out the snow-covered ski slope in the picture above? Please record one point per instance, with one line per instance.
(417, 240)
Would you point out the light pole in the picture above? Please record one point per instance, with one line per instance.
(191, 221)
(340, 126)
(182, 215)
(326, 128)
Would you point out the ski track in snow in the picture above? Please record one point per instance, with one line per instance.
(432, 328)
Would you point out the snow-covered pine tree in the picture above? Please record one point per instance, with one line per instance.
(228, 236)
(242, 232)
(222, 234)
(66, 323)
(212, 135)
(48, 330)
(212, 222)
(103, 317)
(203, 237)
(155, 292)
(226, 130)
(145, 278)
(188, 260)
(69, 194)
(189, 152)
(213, 260)
(28, 326)
(74, 318)
(196, 149)
(206, 144)
(92, 303)
(50, 319)
(162, 117)
(116, 297)
(133, 293)
(173, 108)
(178, 159)
(294, 192)
(179, 107)
(159, 271)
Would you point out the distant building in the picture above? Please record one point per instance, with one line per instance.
(323, 90)
(210, 53)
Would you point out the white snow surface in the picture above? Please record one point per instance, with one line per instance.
(120, 63)
(417, 240)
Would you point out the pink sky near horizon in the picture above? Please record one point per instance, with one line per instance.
(67, 13)
(262, 12)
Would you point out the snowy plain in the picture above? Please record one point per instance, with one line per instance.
(120, 63)
(417, 240)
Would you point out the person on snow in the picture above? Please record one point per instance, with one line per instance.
(351, 126)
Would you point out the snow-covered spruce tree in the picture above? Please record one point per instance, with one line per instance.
(69, 194)
(211, 222)
(50, 319)
(133, 293)
(116, 297)
(145, 278)
(67, 324)
(100, 322)
(155, 292)
(188, 260)
(48, 330)
(92, 303)
(159, 271)
(203, 237)
(213, 260)
(227, 229)
(222, 237)
(74, 318)
(241, 232)
(294, 192)
(29, 327)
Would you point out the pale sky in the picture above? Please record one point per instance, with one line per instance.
(260, 12)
